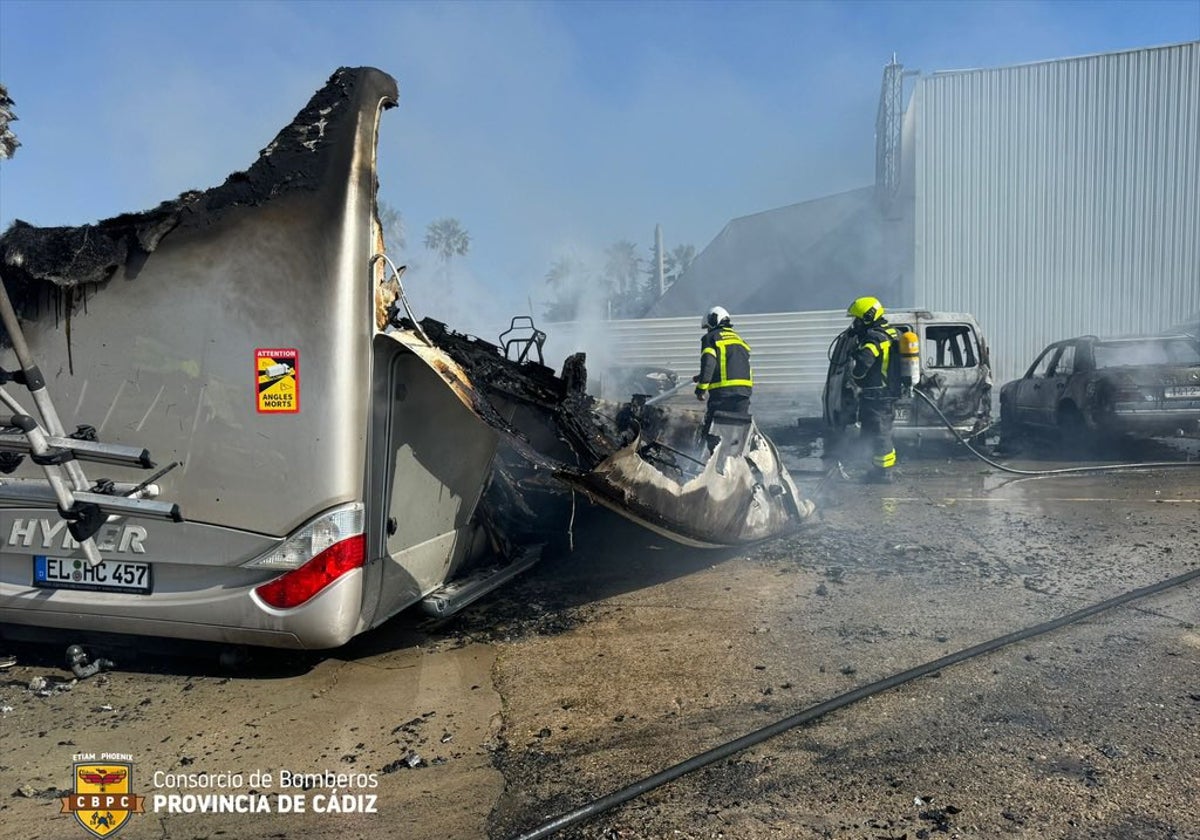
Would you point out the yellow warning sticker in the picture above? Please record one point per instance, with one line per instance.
(278, 373)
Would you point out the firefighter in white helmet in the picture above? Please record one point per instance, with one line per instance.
(725, 377)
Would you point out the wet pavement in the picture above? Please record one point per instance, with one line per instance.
(630, 654)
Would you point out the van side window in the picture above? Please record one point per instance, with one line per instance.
(951, 346)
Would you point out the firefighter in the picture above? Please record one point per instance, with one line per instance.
(725, 377)
(876, 372)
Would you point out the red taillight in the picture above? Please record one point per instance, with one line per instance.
(299, 585)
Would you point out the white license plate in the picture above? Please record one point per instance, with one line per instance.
(106, 576)
(902, 415)
(1183, 392)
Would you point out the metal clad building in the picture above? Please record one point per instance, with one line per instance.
(1058, 198)
(1049, 200)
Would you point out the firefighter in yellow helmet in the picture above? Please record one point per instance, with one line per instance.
(876, 373)
(725, 376)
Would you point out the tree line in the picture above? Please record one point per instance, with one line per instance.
(623, 285)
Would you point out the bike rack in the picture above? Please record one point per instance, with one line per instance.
(84, 505)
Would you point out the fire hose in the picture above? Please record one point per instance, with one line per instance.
(617, 798)
(612, 800)
(1062, 471)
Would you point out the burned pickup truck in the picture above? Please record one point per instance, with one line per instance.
(955, 373)
(338, 459)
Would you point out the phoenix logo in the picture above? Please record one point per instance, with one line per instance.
(103, 799)
(101, 777)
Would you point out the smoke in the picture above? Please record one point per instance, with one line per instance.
(1176, 351)
(456, 296)
(534, 123)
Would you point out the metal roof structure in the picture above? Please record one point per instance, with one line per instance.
(801, 257)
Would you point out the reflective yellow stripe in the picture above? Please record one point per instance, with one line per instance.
(708, 350)
(883, 349)
(728, 338)
(894, 334)
(888, 460)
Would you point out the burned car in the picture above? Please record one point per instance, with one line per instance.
(1087, 388)
(955, 374)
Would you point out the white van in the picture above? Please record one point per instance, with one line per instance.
(955, 373)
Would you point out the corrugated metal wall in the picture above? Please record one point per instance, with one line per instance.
(1060, 198)
(789, 354)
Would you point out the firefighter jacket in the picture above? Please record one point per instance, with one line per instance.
(876, 364)
(724, 364)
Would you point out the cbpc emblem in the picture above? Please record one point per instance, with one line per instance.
(103, 799)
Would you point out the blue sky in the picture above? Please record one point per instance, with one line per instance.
(546, 128)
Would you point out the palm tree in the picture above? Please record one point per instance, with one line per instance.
(568, 278)
(448, 239)
(560, 274)
(678, 261)
(395, 232)
(621, 268)
(8, 140)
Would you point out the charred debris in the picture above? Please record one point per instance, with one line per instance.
(43, 265)
(646, 462)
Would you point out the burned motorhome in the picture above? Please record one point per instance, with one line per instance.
(339, 459)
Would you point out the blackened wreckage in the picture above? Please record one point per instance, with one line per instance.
(413, 454)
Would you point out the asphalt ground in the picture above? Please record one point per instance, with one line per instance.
(629, 654)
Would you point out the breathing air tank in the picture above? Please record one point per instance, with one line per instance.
(910, 358)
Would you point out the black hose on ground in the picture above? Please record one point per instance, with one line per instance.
(612, 800)
(1063, 471)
